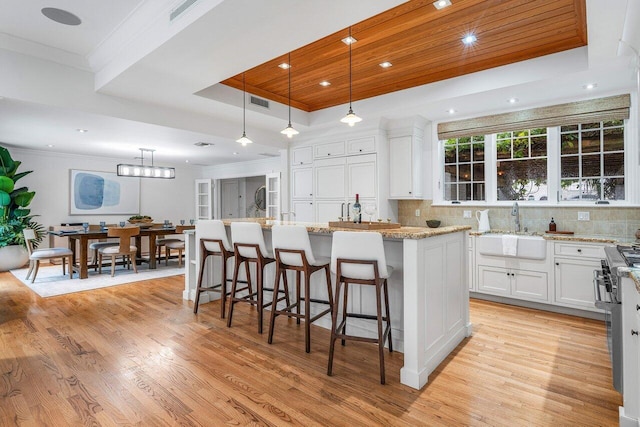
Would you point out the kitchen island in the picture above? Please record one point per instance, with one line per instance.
(428, 290)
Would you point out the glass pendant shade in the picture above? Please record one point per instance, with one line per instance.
(244, 140)
(289, 131)
(351, 118)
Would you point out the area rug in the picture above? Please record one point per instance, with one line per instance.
(50, 281)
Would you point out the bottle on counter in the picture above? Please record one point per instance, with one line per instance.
(552, 225)
(357, 215)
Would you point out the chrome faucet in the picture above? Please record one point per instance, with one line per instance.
(515, 211)
(282, 214)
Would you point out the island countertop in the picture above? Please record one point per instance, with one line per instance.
(403, 232)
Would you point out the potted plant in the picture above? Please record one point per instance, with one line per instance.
(14, 214)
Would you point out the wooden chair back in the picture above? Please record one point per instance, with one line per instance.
(124, 234)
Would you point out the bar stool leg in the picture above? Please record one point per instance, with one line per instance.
(199, 287)
(223, 286)
(298, 296)
(380, 332)
(344, 311)
(386, 310)
(329, 288)
(234, 285)
(334, 325)
(276, 288)
(259, 286)
(307, 311)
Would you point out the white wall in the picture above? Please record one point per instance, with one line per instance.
(171, 199)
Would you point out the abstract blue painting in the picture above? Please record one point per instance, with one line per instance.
(103, 193)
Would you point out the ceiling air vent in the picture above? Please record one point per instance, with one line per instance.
(269, 155)
(259, 102)
(180, 9)
(203, 144)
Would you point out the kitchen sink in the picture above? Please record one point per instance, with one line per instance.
(529, 247)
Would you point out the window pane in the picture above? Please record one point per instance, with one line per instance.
(463, 159)
(569, 143)
(538, 146)
(478, 171)
(517, 179)
(450, 151)
(613, 123)
(614, 164)
(613, 139)
(568, 128)
(569, 167)
(590, 125)
(613, 188)
(478, 152)
(464, 171)
(478, 191)
(569, 188)
(451, 191)
(451, 173)
(591, 142)
(503, 147)
(591, 165)
(464, 153)
(464, 191)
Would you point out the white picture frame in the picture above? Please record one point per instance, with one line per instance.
(103, 193)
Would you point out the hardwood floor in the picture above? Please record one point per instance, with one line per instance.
(137, 355)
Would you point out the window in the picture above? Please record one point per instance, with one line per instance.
(592, 161)
(464, 168)
(521, 160)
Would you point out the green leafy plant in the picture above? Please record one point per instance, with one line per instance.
(14, 214)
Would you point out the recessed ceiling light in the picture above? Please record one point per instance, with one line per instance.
(590, 86)
(186, 161)
(385, 64)
(349, 40)
(61, 16)
(469, 39)
(325, 83)
(50, 145)
(284, 66)
(82, 130)
(512, 100)
(441, 4)
(235, 153)
(451, 111)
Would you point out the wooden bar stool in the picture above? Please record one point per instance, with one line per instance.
(249, 246)
(213, 242)
(293, 252)
(358, 258)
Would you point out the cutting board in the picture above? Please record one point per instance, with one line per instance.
(559, 232)
(365, 225)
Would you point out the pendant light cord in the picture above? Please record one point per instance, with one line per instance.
(350, 67)
(244, 108)
(289, 60)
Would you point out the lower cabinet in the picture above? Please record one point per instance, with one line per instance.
(303, 210)
(514, 283)
(574, 282)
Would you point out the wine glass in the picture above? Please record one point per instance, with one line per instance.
(166, 223)
(103, 225)
(370, 209)
(192, 221)
(85, 225)
(182, 222)
(121, 223)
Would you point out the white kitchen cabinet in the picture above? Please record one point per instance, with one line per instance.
(361, 176)
(303, 210)
(472, 262)
(329, 149)
(272, 194)
(514, 283)
(204, 199)
(574, 263)
(302, 182)
(630, 411)
(405, 167)
(330, 178)
(361, 145)
(301, 156)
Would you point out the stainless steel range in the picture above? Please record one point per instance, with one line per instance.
(608, 298)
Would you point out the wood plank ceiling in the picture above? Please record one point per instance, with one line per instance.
(424, 46)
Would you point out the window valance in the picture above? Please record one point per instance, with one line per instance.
(593, 110)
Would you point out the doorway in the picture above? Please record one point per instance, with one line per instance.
(243, 197)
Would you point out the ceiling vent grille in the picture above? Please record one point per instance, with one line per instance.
(259, 102)
(203, 144)
(269, 155)
(180, 9)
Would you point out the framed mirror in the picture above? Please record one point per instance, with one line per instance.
(260, 198)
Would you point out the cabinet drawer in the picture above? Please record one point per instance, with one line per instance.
(361, 145)
(579, 250)
(330, 149)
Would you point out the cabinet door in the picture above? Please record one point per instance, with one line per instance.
(574, 282)
(494, 280)
(301, 156)
(361, 176)
(529, 285)
(361, 145)
(400, 167)
(329, 210)
(330, 179)
(272, 204)
(204, 205)
(302, 183)
(303, 210)
(330, 149)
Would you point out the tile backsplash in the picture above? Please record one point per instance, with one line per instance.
(603, 221)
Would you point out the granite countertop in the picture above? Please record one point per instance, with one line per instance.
(563, 237)
(631, 272)
(414, 233)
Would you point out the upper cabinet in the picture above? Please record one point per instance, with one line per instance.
(301, 156)
(330, 149)
(406, 171)
(361, 145)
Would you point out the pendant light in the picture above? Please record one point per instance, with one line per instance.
(289, 130)
(145, 171)
(243, 139)
(351, 118)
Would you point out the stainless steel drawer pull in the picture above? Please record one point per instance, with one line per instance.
(633, 332)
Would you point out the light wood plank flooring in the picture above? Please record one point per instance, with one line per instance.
(137, 355)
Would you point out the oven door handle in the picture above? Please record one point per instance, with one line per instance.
(598, 280)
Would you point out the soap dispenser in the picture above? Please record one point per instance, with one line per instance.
(552, 225)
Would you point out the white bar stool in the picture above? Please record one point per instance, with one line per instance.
(249, 246)
(213, 242)
(358, 258)
(293, 252)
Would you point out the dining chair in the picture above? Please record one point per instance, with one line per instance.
(124, 249)
(37, 255)
(161, 242)
(358, 258)
(95, 246)
(175, 244)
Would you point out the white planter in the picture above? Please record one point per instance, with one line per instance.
(11, 257)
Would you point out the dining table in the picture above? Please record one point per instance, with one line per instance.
(83, 237)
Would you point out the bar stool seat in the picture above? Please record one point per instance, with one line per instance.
(358, 258)
(213, 242)
(249, 246)
(293, 252)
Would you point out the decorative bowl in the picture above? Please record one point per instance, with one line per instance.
(433, 223)
(141, 221)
